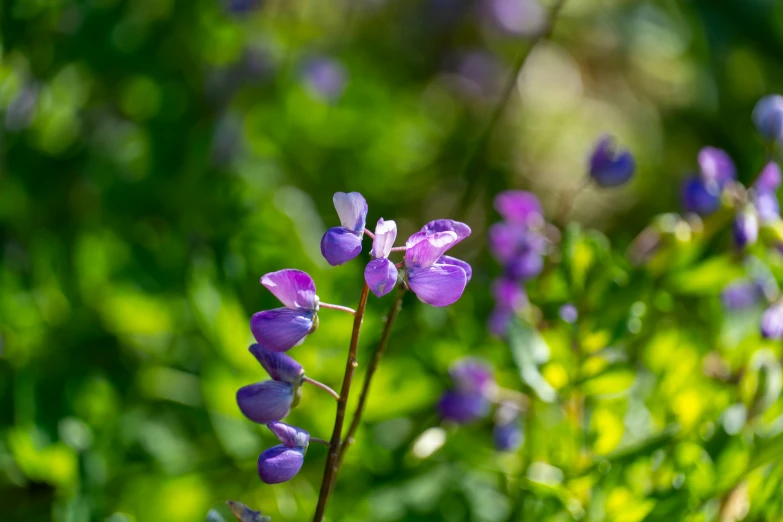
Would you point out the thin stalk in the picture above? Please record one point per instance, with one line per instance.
(369, 233)
(399, 249)
(330, 471)
(371, 368)
(322, 386)
(319, 441)
(341, 308)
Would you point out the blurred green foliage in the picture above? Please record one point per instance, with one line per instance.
(158, 156)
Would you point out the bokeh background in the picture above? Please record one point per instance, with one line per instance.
(158, 156)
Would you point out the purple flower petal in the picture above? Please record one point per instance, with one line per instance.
(472, 376)
(463, 408)
(767, 206)
(425, 250)
(448, 260)
(499, 321)
(447, 225)
(352, 209)
(266, 401)
(294, 288)
(610, 167)
(525, 266)
(279, 464)
(700, 197)
(741, 295)
(769, 179)
(278, 365)
(772, 322)
(519, 208)
(290, 436)
(746, 227)
(282, 328)
(339, 245)
(385, 235)
(504, 241)
(509, 294)
(381, 276)
(716, 165)
(768, 117)
(438, 285)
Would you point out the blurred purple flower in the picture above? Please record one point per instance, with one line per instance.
(341, 244)
(507, 433)
(768, 117)
(499, 320)
(569, 313)
(519, 207)
(509, 294)
(769, 179)
(716, 166)
(241, 7)
(435, 278)
(283, 328)
(325, 77)
(772, 322)
(469, 399)
(472, 376)
(520, 250)
(518, 17)
(380, 273)
(699, 197)
(461, 407)
(746, 227)
(282, 462)
(245, 514)
(742, 294)
(610, 167)
(478, 74)
(20, 111)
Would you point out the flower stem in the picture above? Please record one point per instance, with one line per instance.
(322, 386)
(371, 368)
(399, 249)
(369, 234)
(330, 471)
(337, 307)
(319, 441)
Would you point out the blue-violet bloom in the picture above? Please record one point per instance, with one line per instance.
(507, 433)
(282, 462)
(768, 117)
(380, 273)
(716, 166)
(519, 207)
(245, 514)
(700, 197)
(569, 313)
(746, 227)
(341, 244)
(610, 167)
(436, 279)
(281, 329)
(267, 401)
(772, 322)
(469, 399)
(741, 295)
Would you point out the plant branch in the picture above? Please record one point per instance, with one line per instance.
(371, 368)
(330, 471)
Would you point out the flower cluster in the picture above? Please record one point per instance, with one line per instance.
(471, 397)
(436, 279)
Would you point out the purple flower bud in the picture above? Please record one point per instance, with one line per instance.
(446, 225)
(281, 329)
(741, 295)
(508, 436)
(772, 322)
(245, 514)
(768, 117)
(325, 77)
(279, 464)
(746, 227)
(462, 408)
(341, 244)
(610, 167)
(279, 366)
(381, 276)
(266, 401)
(509, 294)
(290, 436)
(769, 179)
(385, 234)
(520, 208)
(716, 166)
(294, 288)
(700, 197)
(569, 313)
(472, 376)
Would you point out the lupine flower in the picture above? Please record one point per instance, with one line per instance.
(325, 77)
(768, 117)
(772, 322)
(569, 313)
(519, 249)
(468, 400)
(519, 207)
(245, 514)
(507, 433)
(282, 462)
(435, 278)
(283, 328)
(610, 167)
(769, 179)
(700, 197)
(380, 273)
(267, 401)
(716, 166)
(341, 244)
(741, 295)
(510, 298)
(765, 187)
(746, 227)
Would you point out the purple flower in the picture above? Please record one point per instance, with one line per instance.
(716, 166)
(509, 294)
(380, 273)
(520, 208)
(266, 401)
(518, 17)
(507, 433)
(341, 244)
(569, 313)
(245, 514)
(281, 329)
(462, 407)
(768, 117)
(746, 227)
(436, 279)
(282, 462)
(279, 366)
(499, 320)
(772, 322)
(325, 77)
(610, 167)
(519, 249)
(471, 375)
(769, 179)
(700, 197)
(767, 206)
(741, 295)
